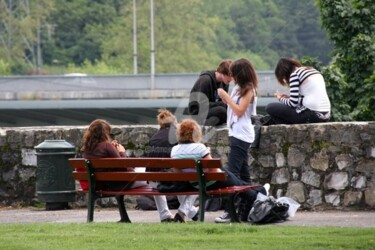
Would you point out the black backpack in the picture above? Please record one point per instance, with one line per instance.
(268, 210)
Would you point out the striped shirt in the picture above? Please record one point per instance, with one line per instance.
(307, 93)
(189, 151)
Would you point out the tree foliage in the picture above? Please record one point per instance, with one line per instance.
(351, 26)
(190, 36)
(20, 23)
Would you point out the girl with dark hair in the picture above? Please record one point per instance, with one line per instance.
(97, 143)
(307, 101)
(241, 105)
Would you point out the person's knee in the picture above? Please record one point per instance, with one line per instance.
(216, 116)
(270, 108)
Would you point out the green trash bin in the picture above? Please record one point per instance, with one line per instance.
(54, 181)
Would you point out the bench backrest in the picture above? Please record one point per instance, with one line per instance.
(114, 169)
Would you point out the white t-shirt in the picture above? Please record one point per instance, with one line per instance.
(241, 127)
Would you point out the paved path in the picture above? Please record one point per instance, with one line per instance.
(325, 218)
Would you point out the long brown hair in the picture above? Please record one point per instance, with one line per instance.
(244, 75)
(284, 69)
(98, 131)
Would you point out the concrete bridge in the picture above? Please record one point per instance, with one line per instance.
(121, 99)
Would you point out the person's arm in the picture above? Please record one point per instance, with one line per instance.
(240, 108)
(203, 96)
(209, 156)
(119, 149)
(116, 150)
(199, 94)
(294, 85)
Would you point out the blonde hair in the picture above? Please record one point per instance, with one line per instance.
(165, 118)
(189, 131)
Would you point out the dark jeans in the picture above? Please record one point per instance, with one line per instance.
(216, 116)
(283, 114)
(238, 159)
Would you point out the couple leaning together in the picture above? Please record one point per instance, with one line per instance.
(184, 141)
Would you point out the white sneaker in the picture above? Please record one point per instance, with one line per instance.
(267, 188)
(225, 218)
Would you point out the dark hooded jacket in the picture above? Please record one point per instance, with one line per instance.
(207, 85)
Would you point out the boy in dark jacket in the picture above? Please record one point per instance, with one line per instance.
(204, 103)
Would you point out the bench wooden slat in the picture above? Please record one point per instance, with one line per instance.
(149, 176)
(142, 162)
(77, 163)
(146, 190)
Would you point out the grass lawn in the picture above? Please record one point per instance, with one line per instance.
(181, 236)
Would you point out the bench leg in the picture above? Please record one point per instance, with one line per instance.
(90, 208)
(202, 206)
(232, 209)
(122, 209)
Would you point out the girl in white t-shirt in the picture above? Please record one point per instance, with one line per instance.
(241, 105)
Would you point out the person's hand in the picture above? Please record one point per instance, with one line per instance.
(278, 95)
(118, 146)
(223, 95)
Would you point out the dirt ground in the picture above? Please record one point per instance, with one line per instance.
(301, 218)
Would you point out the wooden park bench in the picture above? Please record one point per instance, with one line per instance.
(114, 169)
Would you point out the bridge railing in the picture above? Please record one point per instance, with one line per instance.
(111, 86)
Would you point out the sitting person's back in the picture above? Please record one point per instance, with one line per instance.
(97, 143)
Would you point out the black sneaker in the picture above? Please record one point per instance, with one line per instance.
(225, 218)
(179, 218)
(169, 219)
(196, 217)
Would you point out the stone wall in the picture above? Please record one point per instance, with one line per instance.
(322, 166)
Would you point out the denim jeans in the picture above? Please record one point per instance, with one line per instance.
(238, 160)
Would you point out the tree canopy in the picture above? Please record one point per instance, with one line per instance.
(351, 76)
(189, 35)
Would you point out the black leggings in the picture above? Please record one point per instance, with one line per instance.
(283, 114)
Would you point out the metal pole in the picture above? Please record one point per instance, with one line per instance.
(38, 48)
(135, 55)
(152, 47)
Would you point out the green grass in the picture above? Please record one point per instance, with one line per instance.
(181, 236)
